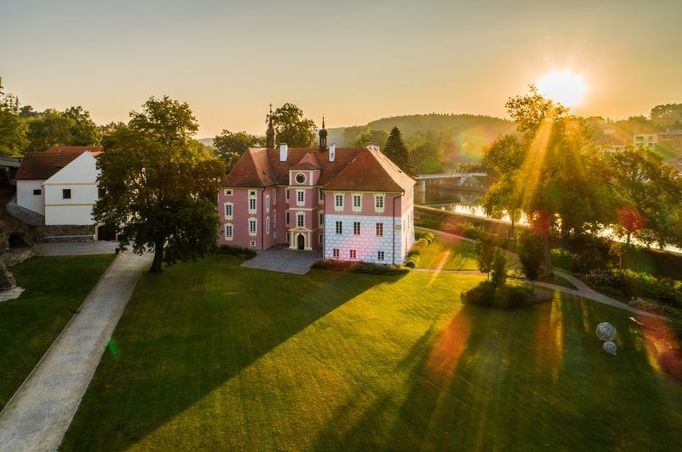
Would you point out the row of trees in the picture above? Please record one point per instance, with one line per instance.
(553, 172)
(24, 130)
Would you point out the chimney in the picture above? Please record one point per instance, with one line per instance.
(374, 147)
(332, 152)
(283, 148)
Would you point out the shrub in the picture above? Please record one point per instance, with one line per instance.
(637, 284)
(530, 255)
(360, 267)
(418, 247)
(412, 261)
(504, 297)
(236, 251)
(426, 235)
(499, 269)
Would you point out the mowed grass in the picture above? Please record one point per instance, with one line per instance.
(448, 252)
(55, 288)
(214, 356)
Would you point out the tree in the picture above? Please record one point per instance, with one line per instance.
(530, 255)
(485, 253)
(396, 151)
(84, 131)
(667, 116)
(231, 145)
(292, 127)
(370, 136)
(159, 186)
(13, 129)
(499, 269)
(49, 128)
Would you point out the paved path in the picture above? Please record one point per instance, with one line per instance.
(75, 248)
(284, 260)
(581, 290)
(37, 416)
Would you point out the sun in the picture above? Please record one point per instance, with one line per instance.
(563, 86)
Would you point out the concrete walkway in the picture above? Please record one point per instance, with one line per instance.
(581, 290)
(280, 259)
(37, 416)
(75, 248)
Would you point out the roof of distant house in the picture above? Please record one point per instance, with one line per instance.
(43, 165)
(352, 169)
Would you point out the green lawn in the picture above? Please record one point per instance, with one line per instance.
(449, 253)
(214, 356)
(55, 288)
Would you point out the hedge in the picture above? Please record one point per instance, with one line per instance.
(360, 267)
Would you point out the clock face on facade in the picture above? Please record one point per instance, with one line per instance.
(300, 178)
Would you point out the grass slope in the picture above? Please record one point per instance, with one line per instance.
(55, 288)
(215, 356)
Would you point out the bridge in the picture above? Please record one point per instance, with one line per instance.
(464, 180)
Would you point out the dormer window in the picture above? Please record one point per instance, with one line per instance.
(300, 178)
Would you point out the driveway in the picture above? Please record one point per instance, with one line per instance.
(75, 248)
(37, 416)
(284, 260)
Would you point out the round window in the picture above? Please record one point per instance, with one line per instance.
(300, 178)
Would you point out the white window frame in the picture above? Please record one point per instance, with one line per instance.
(377, 197)
(252, 244)
(254, 222)
(267, 225)
(321, 196)
(338, 207)
(300, 197)
(381, 255)
(267, 203)
(253, 197)
(335, 253)
(321, 219)
(357, 228)
(287, 194)
(300, 218)
(379, 228)
(230, 215)
(353, 254)
(339, 228)
(287, 219)
(357, 197)
(229, 237)
(228, 192)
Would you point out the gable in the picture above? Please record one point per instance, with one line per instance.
(81, 170)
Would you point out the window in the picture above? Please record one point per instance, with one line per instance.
(229, 231)
(357, 202)
(380, 229)
(300, 197)
(253, 227)
(37, 192)
(321, 237)
(339, 227)
(379, 202)
(267, 225)
(300, 178)
(356, 228)
(252, 243)
(66, 193)
(287, 195)
(287, 218)
(228, 192)
(252, 193)
(380, 255)
(321, 196)
(252, 202)
(300, 219)
(335, 253)
(321, 219)
(338, 201)
(267, 203)
(353, 254)
(228, 210)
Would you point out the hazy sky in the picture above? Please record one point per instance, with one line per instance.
(352, 60)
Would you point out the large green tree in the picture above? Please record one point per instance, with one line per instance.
(12, 127)
(292, 127)
(159, 185)
(396, 150)
(231, 145)
(667, 116)
(84, 131)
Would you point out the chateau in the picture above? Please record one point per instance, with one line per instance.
(352, 204)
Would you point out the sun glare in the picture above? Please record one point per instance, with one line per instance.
(563, 86)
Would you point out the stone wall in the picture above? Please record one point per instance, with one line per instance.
(65, 233)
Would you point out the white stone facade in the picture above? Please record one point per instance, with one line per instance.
(367, 244)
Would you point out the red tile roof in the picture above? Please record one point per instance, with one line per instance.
(352, 169)
(42, 165)
(79, 149)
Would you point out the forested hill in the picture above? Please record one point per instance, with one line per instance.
(466, 134)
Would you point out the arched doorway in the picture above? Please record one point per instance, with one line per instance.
(300, 242)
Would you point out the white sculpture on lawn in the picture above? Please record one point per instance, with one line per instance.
(606, 331)
(610, 347)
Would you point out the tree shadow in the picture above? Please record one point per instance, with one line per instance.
(187, 332)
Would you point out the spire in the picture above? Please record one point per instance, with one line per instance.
(323, 137)
(270, 133)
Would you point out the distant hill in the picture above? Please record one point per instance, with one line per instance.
(206, 141)
(470, 133)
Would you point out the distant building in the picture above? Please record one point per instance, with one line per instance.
(353, 204)
(60, 184)
(670, 140)
(645, 140)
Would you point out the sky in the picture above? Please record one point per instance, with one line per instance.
(353, 61)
